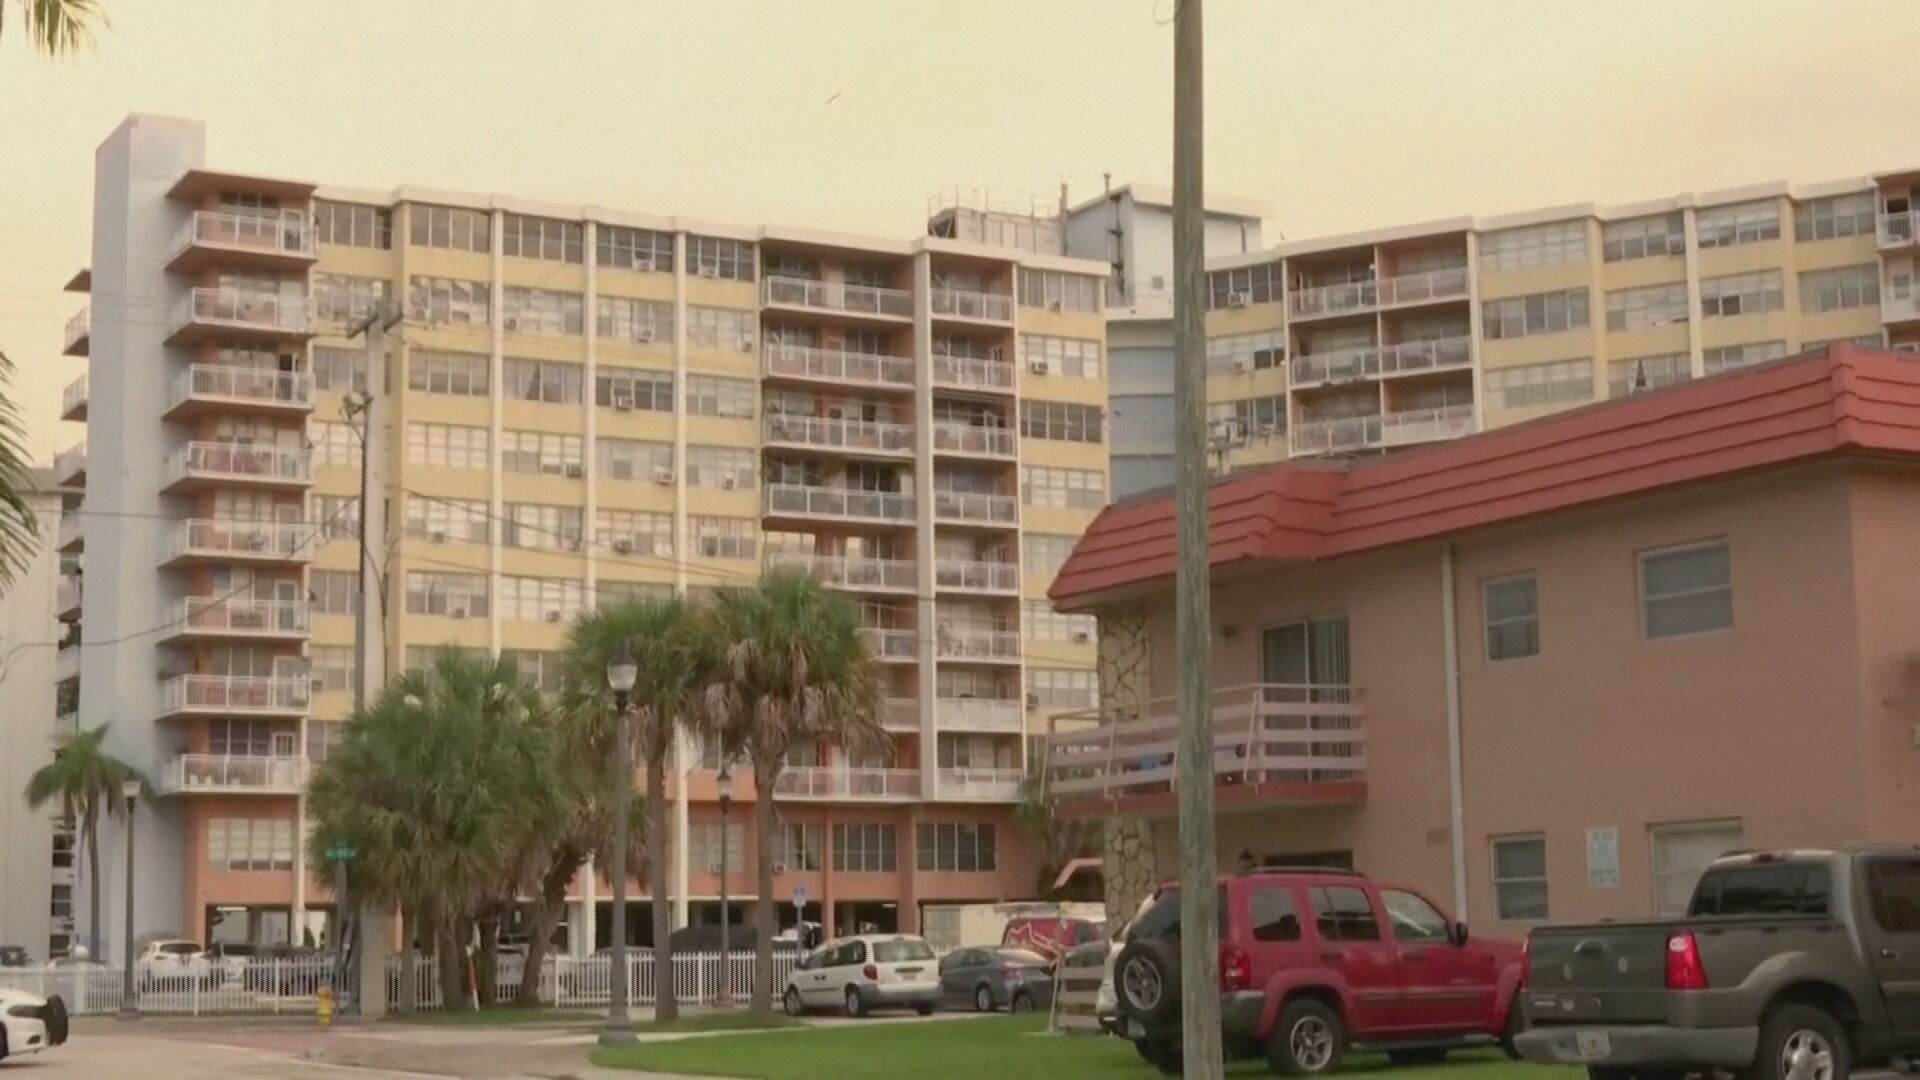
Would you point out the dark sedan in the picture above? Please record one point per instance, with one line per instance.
(987, 979)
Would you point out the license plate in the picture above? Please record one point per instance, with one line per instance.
(1593, 1045)
(1136, 1029)
(904, 972)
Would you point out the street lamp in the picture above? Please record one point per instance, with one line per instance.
(621, 673)
(723, 786)
(129, 791)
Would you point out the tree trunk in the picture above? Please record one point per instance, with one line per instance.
(453, 969)
(542, 917)
(666, 1004)
(91, 819)
(409, 963)
(762, 1002)
(486, 963)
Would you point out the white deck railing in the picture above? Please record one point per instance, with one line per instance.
(993, 715)
(972, 304)
(286, 232)
(835, 365)
(890, 644)
(217, 538)
(987, 784)
(1425, 425)
(240, 615)
(221, 773)
(79, 328)
(985, 574)
(233, 461)
(837, 502)
(976, 506)
(227, 383)
(974, 439)
(972, 373)
(243, 309)
(74, 396)
(847, 782)
(849, 572)
(829, 434)
(838, 296)
(234, 694)
(953, 643)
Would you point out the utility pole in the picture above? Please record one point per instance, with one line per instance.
(1193, 757)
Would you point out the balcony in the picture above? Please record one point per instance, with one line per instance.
(1425, 425)
(984, 646)
(281, 241)
(1899, 303)
(901, 716)
(978, 785)
(1339, 365)
(1274, 744)
(204, 388)
(993, 716)
(66, 659)
(973, 439)
(1899, 230)
(219, 774)
(1345, 298)
(235, 464)
(847, 782)
(976, 507)
(70, 466)
(837, 296)
(1418, 357)
(891, 646)
(79, 332)
(239, 617)
(976, 575)
(233, 695)
(838, 504)
(972, 373)
(1337, 299)
(1335, 436)
(838, 366)
(66, 724)
(237, 316)
(73, 400)
(66, 602)
(969, 304)
(850, 571)
(847, 436)
(73, 533)
(214, 540)
(1426, 287)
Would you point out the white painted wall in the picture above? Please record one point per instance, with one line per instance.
(28, 631)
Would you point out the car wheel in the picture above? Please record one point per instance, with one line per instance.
(855, 1006)
(54, 1016)
(924, 1008)
(1022, 1002)
(3, 1042)
(1146, 980)
(1801, 1042)
(791, 1000)
(1426, 1055)
(1309, 1040)
(1162, 1054)
(982, 998)
(1516, 1023)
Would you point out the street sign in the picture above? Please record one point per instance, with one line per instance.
(341, 853)
(799, 897)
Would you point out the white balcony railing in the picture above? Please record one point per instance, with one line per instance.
(972, 373)
(74, 399)
(286, 232)
(983, 574)
(79, 328)
(189, 773)
(1338, 365)
(242, 309)
(231, 461)
(1296, 735)
(830, 434)
(892, 645)
(1425, 425)
(242, 616)
(215, 538)
(974, 439)
(838, 296)
(73, 531)
(1448, 283)
(66, 724)
(66, 594)
(849, 571)
(239, 385)
(835, 365)
(1333, 436)
(1436, 354)
(1899, 229)
(70, 464)
(991, 715)
(954, 643)
(1333, 299)
(847, 782)
(971, 304)
(234, 694)
(901, 715)
(995, 785)
(976, 506)
(806, 500)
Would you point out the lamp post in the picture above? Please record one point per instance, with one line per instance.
(129, 791)
(723, 786)
(621, 673)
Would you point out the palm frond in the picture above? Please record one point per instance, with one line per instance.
(58, 27)
(19, 529)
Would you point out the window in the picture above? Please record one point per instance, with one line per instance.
(1520, 878)
(1063, 688)
(538, 598)
(1236, 423)
(542, 311)
(1059, 291)
(1513, 618)
(864, 847)
(457, 595)
(542, 238)
(451, 446)
(322, 737)
(1263, 284)
(1044, 553)
(331, 668)
(722, 537)
(333, 443)
(1414, 920)
(541, 526)
(721, 467)
(1654, 305)
(446, 301)
(1243, 352)
(1060, 420)
(450, 227)
(352, 225)
(632, 388)
(715, 395)
(542, 452)
(422, 658)
(554, 381)
(1686, 590)
(1681, 852)
(1840, 287)
(245, 844)
(631, 459)
(1540, 313)
(344, 300)
(620, 318)
(633, 249)
(641, 532)
(1042, 623)
(1557, 382)
(711, 256)
(1344, 913)
(465, 520)
(703, 846)
(337, 517)
(241, 738)
(1800, 888)
(339, 370)
(333, 592)
(1740, 223)
(433, 371)
(955, 847)
(1554, 244)
(1075, 358)
(721, 328)
(800, 847)
(1274, 914)
(608, 592)
(1840, 215)
(1643, 238)
(1728, 357)
(1893, 888)
(1647, 373)
(1083, 489)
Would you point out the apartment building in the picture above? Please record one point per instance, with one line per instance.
(1543, 672)
(1411, 334)
(578, 403)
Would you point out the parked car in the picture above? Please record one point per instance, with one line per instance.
(230, 959)
(30, 1023)
(858, 974)
(1312, 961)
(1787, 964)
(14, 956)
(1052, 936)
(1018, 980)
(173, 965)
(288, 971)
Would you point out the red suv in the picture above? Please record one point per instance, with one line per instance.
(1312, 960)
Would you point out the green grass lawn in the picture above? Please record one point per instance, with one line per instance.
(995, 1048)
(733, 1020)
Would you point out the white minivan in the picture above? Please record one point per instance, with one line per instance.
(860, 973)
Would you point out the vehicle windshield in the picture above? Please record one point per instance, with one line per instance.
(180, 948)
(893, 952)
(1022, 958)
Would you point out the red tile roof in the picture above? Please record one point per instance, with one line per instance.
(1842, 399)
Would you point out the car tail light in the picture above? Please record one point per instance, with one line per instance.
(1236, 969)
(1526, 962)
(1684, 969)
(871, 973)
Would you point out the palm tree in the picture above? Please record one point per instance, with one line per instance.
(18, 528)
(57, 27)
(87, 780)
(794, 668)
(663, 637)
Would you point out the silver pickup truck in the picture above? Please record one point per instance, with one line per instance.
(1792, 965)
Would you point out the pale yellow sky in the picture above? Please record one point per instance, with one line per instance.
(1337, 114)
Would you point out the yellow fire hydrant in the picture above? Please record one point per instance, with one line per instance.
(323, 1005)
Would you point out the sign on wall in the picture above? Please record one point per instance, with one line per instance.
(1603, 857)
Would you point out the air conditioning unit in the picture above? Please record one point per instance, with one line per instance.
(318, 685)
(779, 868)
(1054, 306)
(663, 477)
(622, 406)
(1038, 367)
(729, 482)
(1082, 636)
(575, 471)
(510, 324)
(1239, 299)
(456, 612)
(623, 546)
(553, 616)
(708, 272)
(1243, 365)
(437, 537)
(1033, 701)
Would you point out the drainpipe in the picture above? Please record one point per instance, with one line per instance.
(1456, 808)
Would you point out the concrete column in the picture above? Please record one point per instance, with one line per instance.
(376, 922)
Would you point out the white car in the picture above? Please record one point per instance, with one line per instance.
(30, 1023)
(859, 973)
(174, 965)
